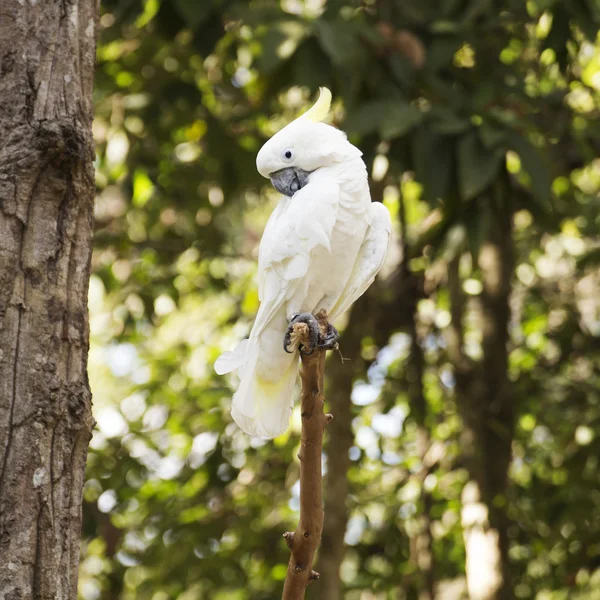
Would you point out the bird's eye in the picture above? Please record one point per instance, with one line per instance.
(288, 154)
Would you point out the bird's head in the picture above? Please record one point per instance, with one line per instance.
(301, 147)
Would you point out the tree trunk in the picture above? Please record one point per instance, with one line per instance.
(379, 313)
(487, 406)
(47, 53)
(421, 544)
(340, 438)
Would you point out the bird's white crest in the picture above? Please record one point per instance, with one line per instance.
(320, 109)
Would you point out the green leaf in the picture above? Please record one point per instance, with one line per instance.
(453, 94)
(491, 135)
(391, 118)
(586, 18)
(441, 52)
(143, 188)
(339, 42)
(279, 43)
(402, 70)
(444, 26)
(534, 165)
(449, 8)
(194, 13)
(432, 160)
(365, 119)
(310, 66)
(559, 35)
(447, 122)
(398, 120)
(477, 165)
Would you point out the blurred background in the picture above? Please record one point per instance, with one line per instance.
(463, 457)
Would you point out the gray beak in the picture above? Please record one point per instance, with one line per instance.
(288, 181)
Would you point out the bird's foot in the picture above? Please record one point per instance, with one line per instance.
(329, 340)
(304, 333)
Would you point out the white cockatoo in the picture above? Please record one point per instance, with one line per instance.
(321, 249)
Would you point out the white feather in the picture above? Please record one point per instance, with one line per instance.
(321, 249)
(369, 260)
(229, 361)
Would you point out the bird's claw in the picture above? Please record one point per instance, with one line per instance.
(290, 344)
(328, 341)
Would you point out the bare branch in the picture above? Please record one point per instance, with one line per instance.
(303, 543)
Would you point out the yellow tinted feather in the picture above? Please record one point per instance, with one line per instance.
(319, 111)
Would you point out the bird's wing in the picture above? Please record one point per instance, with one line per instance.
(370, 259)
(267, 241)
(304, 222)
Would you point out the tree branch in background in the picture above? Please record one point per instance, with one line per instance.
(303, 543)
(485, 402)
(496, 432)
(421, 551)
(454, 334)
(340, 438)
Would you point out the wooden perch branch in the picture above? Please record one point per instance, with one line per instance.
(303, 543)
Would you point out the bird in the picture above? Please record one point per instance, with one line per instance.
(321, 249)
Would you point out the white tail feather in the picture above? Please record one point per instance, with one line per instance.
(263, 408)
(229, 361)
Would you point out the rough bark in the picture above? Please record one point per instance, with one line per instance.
(487, 407)
(303, 543)
(47, 53)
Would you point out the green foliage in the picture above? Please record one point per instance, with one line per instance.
(460, 102)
